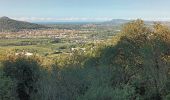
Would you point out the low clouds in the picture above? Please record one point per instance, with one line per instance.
(72, 19)
(38, 19)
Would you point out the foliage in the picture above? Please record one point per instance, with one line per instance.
(108, 93)
(25, 71)
(6, 87)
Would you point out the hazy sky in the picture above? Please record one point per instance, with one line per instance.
(85, 10)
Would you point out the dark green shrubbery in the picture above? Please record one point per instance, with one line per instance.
(7, 87)
(25, 72)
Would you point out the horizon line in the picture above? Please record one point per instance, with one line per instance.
(81, 19)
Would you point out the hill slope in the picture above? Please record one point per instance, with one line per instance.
(7, 25)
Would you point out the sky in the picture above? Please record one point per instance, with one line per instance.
(85, 10)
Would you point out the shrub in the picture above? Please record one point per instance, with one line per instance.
(25, 71)
(108, 93)
(6, 87)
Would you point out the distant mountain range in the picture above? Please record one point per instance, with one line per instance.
(8, 25)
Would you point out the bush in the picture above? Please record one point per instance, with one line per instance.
(25, 71)
(6, 87)
(61, 84)
(108, 93)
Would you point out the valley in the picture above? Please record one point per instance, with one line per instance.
(56, 39)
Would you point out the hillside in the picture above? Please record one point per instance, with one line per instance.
(7, 25)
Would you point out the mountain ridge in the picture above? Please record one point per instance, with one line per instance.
(8, 25)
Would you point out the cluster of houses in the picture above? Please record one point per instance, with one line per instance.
(24, 53)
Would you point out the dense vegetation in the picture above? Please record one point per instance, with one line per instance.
(134, 65)
(7, 25)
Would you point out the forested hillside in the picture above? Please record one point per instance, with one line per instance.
(8, 25)
(133, 65)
